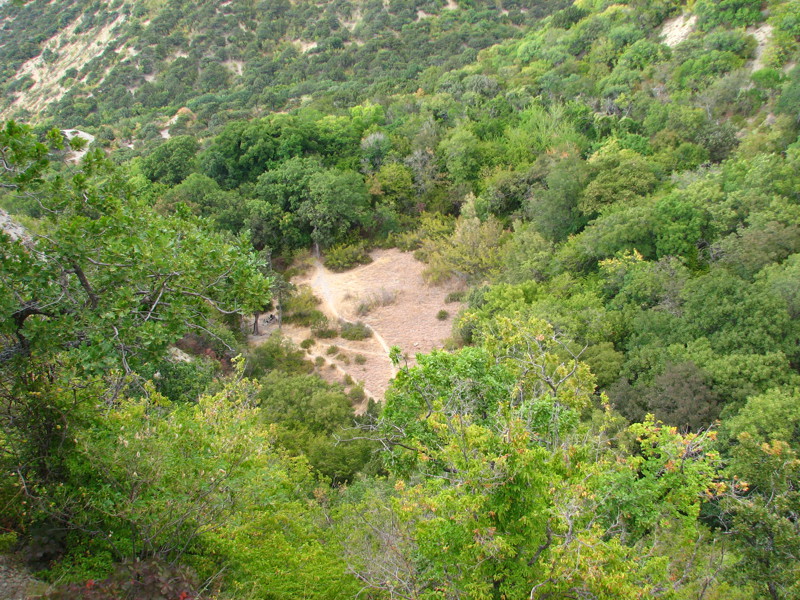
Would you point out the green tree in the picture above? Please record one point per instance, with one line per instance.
(338, 201)
(101, 292)
(621, 175)
(764, 500)
(172, 161)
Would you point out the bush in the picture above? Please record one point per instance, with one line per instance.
(307, 343)
(357, 394)
(7, 541)
(143, 580)
(347, 380)
(325, 333)
(346, 256)
(355, 331)
(276, 353)
(360, 359)
(320, 329)
(181, 381)
(332, 350)
(301, 308)
(442, 315)
(319, 361)
(455, 297)
(431, 226)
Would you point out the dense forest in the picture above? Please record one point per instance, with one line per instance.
(615, 185)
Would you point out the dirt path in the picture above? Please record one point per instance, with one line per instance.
(321, 287)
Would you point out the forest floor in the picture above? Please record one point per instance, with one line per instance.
(391, 296)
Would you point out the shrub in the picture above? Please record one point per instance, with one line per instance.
(276, 353)
(347, 380)
(326, 333)
(355, 331)
(455, 297)
(301, 308)
(307, 343)
(442, 315)
(431, 226)
(319, 361)
(357, 394)
(332, 350)
(360, 359)
(144, 580)
(7, 541)
(346, 256)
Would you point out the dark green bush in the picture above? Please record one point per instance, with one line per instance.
(355, 331)
(300, 309)
(325, 333)
(346, 256)
(276, 354)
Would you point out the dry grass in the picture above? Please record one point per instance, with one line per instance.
(374, 299)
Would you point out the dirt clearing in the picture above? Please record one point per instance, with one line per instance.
(390, 296)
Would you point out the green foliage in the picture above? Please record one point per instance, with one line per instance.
(764, 497)
(338, 201)
(442, 315)
(355, 331)
(734, 13)
(181, 381)
(172, 161)
(8, 540)
(310, 414)
(662, 485)
(621, 176)
(301, 308)
(432, 227)
(346, 256)
(276, 354)
(628, 209)
(472, 253)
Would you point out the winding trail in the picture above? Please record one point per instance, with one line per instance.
(321, 287)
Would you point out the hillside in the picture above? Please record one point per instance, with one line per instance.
(93, 63)
(581, 219)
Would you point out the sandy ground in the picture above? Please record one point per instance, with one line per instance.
(762, 34)
(678, 29)
(408, 320)
(71, 51)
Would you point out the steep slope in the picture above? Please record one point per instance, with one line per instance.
(93, 63)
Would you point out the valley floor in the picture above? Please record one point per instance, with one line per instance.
(407, 319)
